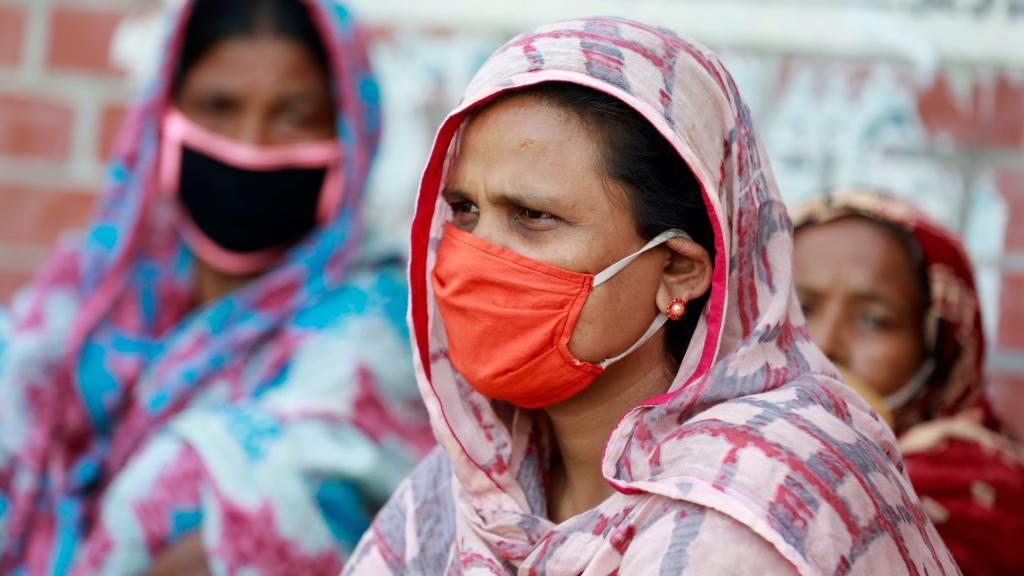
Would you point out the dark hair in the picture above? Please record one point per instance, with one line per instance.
(211, 22)
(663, 191)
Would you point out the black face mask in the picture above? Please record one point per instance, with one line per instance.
(249, 211)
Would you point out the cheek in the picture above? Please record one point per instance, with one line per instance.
(617, 313)
(886, 362)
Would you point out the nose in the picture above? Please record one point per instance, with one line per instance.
(253, 127)
(487, 228)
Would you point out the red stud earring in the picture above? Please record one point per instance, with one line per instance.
(676, 309)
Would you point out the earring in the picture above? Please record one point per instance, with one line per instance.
(676, 309)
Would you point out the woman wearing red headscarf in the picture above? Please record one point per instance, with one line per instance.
(889, 295)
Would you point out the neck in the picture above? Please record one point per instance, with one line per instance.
(583, 423)
(212, 285)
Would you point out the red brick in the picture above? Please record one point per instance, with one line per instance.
(39, 215)
(110, 126)
(941, 113)
(10, 282)
(382, 33)
(1007, 114)
(33, 126)
(1010, 184)
(12, 34)
(992, 116)
(1011, 318)
(1006, 395)
(80, 38)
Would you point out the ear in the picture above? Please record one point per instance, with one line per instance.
(687, 272)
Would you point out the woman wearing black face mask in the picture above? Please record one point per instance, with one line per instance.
(213, 380)
(248, 145)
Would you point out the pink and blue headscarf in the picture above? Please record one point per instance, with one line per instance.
(270, 420)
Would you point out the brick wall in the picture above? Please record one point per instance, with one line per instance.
(1007, 362)
(60, 103)
(949, 134)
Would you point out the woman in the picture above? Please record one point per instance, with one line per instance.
(213, 380)
(889, 295)
(607, 340)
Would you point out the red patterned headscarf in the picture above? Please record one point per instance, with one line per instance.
(956, 341)
(969, 477)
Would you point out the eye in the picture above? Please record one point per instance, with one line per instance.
(873, 321)
(464, 208)
(296, 118)
(530, 220)
(305, 116)
(217, 104)
(807, 300)
(465, 214)
(807, 308)
(215, 110)
(531, 214)
(535, 220)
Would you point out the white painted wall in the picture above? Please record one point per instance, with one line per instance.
(845, 114)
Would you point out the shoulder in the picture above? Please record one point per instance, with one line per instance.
(415, 530)
(966, 432)
(40, 317)
(692, 539)
(810, 470)
(374, 290)
(359, 325)
(958, 457)
(35, 330)
(969, 478)
(424, 500)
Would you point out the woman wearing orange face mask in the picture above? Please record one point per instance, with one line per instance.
(215, 379)
(889, 295)
(609, 345)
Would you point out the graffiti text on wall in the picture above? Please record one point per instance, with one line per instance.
(1010, 9)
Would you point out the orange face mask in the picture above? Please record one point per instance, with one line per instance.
(509, 319)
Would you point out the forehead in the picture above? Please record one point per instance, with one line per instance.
(853, 252)
(526, 124)
(523, 142)
(265, 63)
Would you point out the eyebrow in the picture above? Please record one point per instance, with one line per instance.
(453, 195)
(861, 296)
(290, 97)
(302, 97)
(866, 297)
(809, 290)
(525, 199)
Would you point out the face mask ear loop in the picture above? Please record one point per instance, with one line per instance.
(614, 269)
(658, 240)
(917, 382)
(651, 331)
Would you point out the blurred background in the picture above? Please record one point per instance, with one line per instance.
(921, 97)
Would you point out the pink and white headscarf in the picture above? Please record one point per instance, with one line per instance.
(756, 460)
